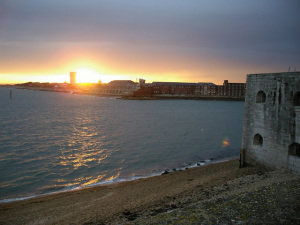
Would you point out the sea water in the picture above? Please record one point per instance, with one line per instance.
(51, 142)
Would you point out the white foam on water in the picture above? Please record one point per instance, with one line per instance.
(117, 180)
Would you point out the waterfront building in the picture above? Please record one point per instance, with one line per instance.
(116, 87)
(73, 78)
(271, 128)
(173, 88)
(234, 90)
(142, 82)
(205, 89)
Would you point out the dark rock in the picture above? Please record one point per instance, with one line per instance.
(130, 216)
(126, 212)
(166, 172)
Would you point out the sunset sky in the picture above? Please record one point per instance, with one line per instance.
(158, 40)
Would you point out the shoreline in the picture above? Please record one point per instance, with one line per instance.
(118, 180)
(161, 97)
(121, 203)
(130, 97)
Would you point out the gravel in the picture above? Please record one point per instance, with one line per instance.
(271, 197)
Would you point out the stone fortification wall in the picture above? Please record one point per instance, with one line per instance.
(271, 129)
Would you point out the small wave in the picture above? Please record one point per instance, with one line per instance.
(191, 165)
(55, 190)
(47, 191)
(197, 164)
(16, 199)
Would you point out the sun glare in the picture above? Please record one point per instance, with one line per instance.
(86, 75)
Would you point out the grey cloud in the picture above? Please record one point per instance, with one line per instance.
(257, 30)
(223, 24)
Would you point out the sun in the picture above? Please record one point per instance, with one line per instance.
(87, 75)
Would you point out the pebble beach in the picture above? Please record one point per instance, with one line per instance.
(220, 193)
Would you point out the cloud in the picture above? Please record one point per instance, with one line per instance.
(214, 24)
(169, 34)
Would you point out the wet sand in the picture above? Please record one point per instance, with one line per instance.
(122, 202)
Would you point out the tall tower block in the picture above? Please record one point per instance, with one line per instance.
(72, 78)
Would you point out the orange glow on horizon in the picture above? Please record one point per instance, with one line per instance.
(89, 70)
(86, 75)
(83, 75)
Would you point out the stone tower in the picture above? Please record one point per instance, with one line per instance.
(271, 129)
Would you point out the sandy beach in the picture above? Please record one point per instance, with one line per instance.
(140, 200)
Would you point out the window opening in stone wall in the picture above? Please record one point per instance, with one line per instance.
(258, 140)
(260, 97)
(297, 99)
(294, 149)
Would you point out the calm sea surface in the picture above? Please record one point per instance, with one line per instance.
(53, 142)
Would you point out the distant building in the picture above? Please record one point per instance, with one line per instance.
(235, 90)
(173, 88)
(205, 89)
(73, 78)
(142, 82)
(116, 87)
(144, 91)
(271, 129)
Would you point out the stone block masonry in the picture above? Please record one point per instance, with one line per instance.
(271, 129)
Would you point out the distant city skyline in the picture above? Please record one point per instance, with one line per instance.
(173, 40)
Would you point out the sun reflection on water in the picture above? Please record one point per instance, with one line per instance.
(83, 150)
